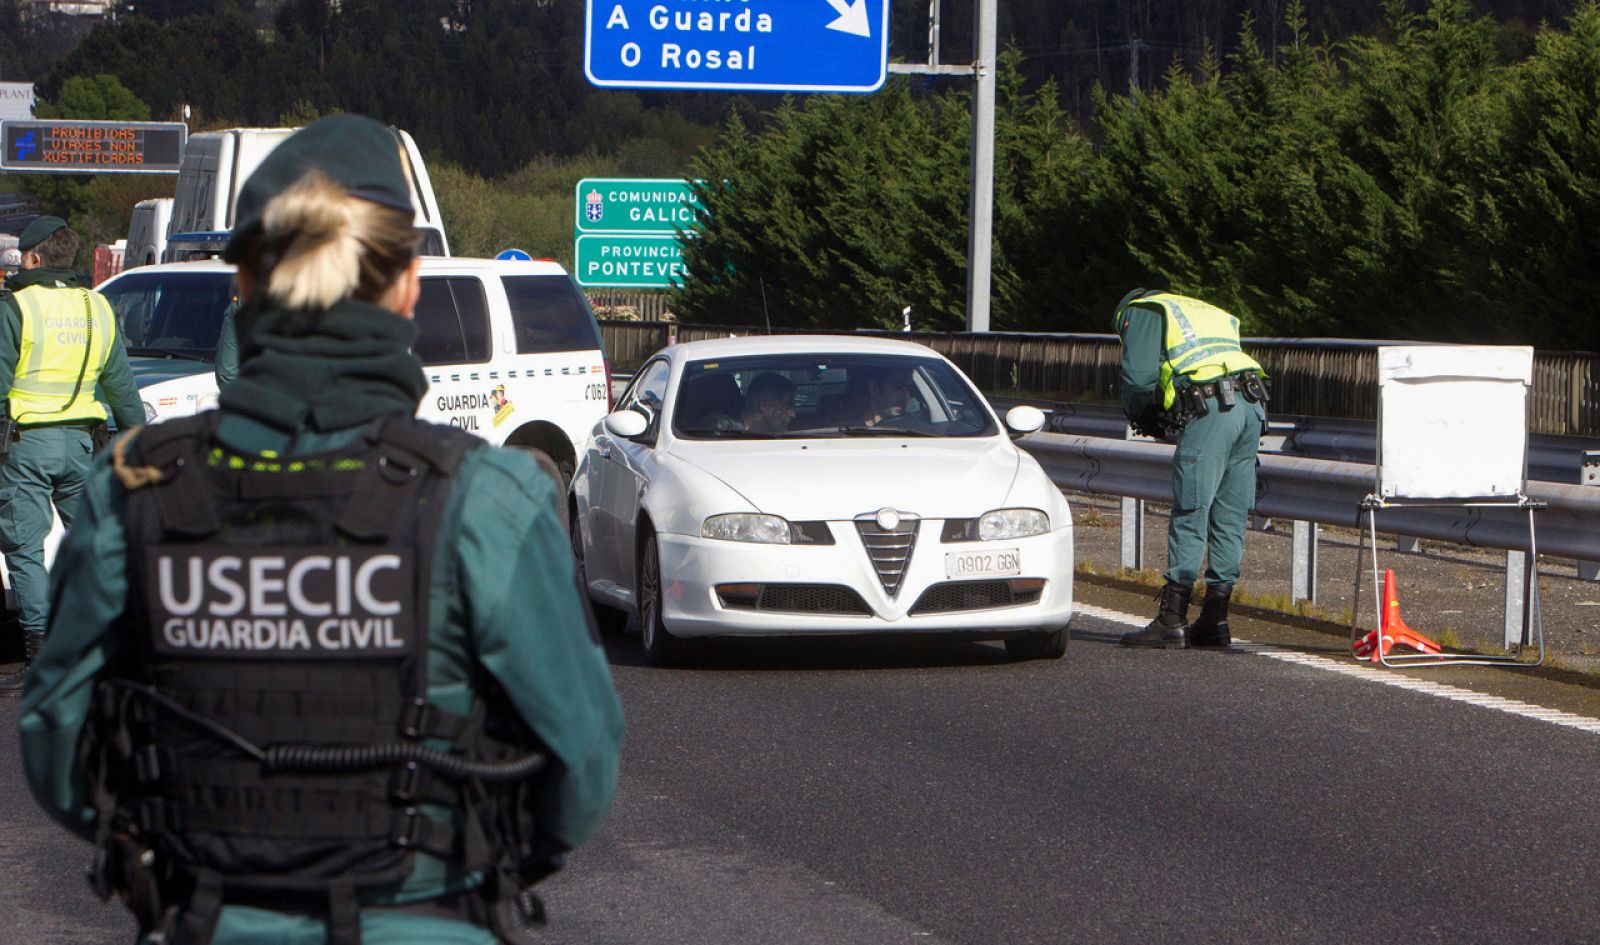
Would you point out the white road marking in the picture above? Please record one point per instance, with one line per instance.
(1381, 676)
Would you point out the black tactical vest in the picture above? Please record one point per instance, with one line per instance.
(284, 604)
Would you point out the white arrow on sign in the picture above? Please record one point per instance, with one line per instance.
(852, 17)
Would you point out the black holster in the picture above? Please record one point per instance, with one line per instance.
(1192, 403)
(128, 868)
(9, 434)
(1255, 387)
(100, 435)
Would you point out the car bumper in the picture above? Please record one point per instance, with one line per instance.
(693, 568)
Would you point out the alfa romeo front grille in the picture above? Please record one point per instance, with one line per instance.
(889, 549)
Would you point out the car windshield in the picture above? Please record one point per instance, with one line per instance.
(826, 396)
(170, 313)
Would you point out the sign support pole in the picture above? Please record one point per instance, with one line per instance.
(980, 240)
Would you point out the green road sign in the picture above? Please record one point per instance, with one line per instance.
(633, 261)
(613, 205)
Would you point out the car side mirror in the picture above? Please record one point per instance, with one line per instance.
(1023, 419)
(626, 423)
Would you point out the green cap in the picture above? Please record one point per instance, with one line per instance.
(354, 151)
(37, 231)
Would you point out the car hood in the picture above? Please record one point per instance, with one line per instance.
(840, 479)
(148, 371)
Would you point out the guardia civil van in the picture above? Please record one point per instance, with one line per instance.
(510, 348)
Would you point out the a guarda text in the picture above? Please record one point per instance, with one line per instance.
(705, 40)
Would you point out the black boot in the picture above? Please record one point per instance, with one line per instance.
(1171, 626)
(12, 685)
(1211, 627)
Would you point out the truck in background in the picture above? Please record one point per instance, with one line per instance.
(147, 232)
(216, 163)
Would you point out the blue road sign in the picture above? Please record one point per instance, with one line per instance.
(738, 45)
(516, 254)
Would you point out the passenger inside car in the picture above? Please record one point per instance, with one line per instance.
(769, 404)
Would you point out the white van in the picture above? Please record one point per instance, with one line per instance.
(147, 232)
(511, 348)
(216, 163)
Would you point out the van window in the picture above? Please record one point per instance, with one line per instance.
(452, 319)
(432, 242)
(551, 315)
(170, 313)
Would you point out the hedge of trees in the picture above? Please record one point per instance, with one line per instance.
(1409, 186)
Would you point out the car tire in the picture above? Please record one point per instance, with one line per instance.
(608, 620)
(1038, 645)
(660, 647)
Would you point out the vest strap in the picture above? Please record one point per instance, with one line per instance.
(344, 916)
(204, 909)
(389, 485)
(174, 448)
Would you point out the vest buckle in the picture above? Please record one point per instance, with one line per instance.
(409, 830)
(405, 783)
(418, 718)
(147, 764)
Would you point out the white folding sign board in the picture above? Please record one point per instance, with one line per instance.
(1453, 421)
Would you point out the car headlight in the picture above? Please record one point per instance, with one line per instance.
(149, 412)
(748, 526)
(1005, 524)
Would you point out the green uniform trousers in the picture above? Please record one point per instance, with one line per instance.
(1213, 491)
(47, 464)
(243, 925)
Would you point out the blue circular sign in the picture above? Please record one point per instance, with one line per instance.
(516, 254)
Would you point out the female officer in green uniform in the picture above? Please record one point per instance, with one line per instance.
(323, 636)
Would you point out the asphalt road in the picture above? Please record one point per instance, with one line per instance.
(851, 793)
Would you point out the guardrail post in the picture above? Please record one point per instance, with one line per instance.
(1516, 588)
(1303, 562)
(1589, 475)
(1133, 534)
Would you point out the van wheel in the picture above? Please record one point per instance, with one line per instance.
(660, 647)
(560, 472)
(608, 620)
(1038, 645)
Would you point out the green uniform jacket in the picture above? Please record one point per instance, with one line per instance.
(116, 378)
(226, 360)
(1143, 347)
(504, 595)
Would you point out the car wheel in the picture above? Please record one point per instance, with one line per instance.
(1038, 645)
(660, 647)
(608, 620)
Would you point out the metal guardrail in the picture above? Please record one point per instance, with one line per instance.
(1313, 492)
(1550, 458)
(1329, 493)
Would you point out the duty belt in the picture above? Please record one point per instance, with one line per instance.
(1241, 386)
(1191, 398)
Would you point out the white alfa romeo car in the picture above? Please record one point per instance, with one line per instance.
(815, 484)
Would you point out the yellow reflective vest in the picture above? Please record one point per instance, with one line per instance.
(1201, 342)
(66, 338)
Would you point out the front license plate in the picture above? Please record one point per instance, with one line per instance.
(1001, 562)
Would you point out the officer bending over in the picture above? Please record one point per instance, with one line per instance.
(58, 341)
(1183, 371)
(319, 671)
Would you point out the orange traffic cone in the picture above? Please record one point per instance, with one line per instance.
(1392, 630)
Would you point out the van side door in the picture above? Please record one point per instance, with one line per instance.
(453, 342)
